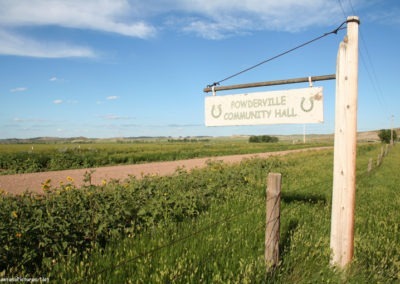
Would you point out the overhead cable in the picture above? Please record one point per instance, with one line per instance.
(373, 78)
(335, 31)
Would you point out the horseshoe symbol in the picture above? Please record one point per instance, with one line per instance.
(311, 104)
(218, 114)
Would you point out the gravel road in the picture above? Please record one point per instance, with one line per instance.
(19, 183)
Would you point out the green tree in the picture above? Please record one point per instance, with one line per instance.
(385, 135)
(263, 139)
(254, 139)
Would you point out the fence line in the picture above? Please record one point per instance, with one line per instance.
(383, 153)
(194, 234)
(227, 220)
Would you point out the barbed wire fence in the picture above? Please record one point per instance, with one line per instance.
(259, 228)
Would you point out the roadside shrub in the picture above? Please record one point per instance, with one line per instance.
(263, 139)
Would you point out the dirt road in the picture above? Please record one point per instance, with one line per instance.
(19, 183)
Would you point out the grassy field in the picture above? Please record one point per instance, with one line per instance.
(204, 226)
(27, 158)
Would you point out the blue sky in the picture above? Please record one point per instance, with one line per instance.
(114, 68)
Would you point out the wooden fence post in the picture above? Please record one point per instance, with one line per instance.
(272, 220)
(370, 165)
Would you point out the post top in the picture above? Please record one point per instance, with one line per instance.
(353, 19)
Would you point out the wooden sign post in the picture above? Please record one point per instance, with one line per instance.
(344, 167)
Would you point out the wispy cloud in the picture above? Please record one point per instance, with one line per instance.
(223, 18)
(59, 101)
(386, 17)
(20, 120)
(214, 20)
(111, 117)
(114, 117)
(18, 45)
(111, 98)
(18, 89)
(56, 79)
(113, 16)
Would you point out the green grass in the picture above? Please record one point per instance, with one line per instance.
(208, 225)
(377, 234)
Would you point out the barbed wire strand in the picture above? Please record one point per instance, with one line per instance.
(212, 255)
(214, 224)
(178, 276)
(174, 242)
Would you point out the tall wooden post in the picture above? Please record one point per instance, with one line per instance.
(344, 167)
(272, 220)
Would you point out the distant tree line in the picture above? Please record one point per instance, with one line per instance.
(263, 139)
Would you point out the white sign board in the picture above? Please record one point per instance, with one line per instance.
(276, 107)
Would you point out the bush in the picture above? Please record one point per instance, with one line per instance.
(263, 139)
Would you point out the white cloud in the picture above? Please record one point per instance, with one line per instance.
(211, 19)
(113, 16)
(216, 19)
(19, 89)
(110, 98)
(107, 15)
(111, 117)
(386, 17)
(21, 120)
(219, 29)
(58, 102)
(221, 18)
(14, 44)
(114, 117)
(56, 79)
